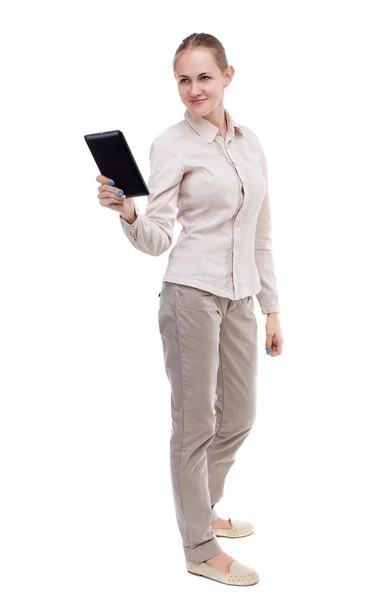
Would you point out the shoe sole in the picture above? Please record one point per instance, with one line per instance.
(233, 536)
(224, 582)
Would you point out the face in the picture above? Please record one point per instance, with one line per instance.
(199, 77)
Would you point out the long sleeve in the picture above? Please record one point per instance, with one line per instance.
(268, 296)
(152, 232)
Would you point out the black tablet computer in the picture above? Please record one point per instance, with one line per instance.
(114, 159)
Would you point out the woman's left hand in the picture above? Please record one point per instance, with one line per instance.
(274, 338)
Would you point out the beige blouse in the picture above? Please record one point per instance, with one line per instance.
(219, 189)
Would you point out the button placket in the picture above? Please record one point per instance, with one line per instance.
(223, 146)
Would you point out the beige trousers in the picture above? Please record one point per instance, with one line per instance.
(211, 360)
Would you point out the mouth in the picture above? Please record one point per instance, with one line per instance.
(198, 101)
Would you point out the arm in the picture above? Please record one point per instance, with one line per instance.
(268, 296)
(152, 232)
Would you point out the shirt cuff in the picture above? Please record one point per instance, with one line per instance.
(130, 228)
(270, 308)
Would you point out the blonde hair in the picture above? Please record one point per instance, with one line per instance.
(203, 40)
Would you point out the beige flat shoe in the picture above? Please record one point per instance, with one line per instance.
(239, 529)
(239, 574)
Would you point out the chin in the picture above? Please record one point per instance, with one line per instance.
(203, 108)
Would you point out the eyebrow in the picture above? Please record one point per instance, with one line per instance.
(206, 73)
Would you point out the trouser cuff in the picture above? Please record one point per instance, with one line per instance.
(203, 552)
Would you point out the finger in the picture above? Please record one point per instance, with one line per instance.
(117, 207)
(111, 188)
(107, 198)
(111, 194)
(268, 343)
(277, 347)
(108, 188)
(106, 180)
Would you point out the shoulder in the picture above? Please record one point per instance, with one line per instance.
(167, 150)
(170, 139)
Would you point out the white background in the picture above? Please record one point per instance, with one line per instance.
(86, 502)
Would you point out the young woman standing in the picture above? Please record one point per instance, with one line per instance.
(213, 172)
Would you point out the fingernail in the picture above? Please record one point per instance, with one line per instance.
(121, 193)
(112, 182)
(267, 350)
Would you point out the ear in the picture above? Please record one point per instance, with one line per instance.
(229, 75)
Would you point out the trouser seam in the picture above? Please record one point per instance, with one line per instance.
(216, 433)
(183, 420)
(223, 390)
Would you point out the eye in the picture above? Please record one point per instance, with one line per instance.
(202, 77)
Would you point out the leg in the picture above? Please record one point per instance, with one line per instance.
(189, 324)
(235, 403)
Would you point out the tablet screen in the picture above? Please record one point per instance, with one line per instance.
(115, 160)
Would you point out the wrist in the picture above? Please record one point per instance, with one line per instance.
(131, 218)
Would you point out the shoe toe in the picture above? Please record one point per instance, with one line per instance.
(242, 574)
(242, 527)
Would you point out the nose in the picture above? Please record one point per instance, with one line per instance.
(195, 91)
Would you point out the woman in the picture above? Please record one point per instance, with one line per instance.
(214, 172)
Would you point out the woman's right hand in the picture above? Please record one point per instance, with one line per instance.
(109, 196)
